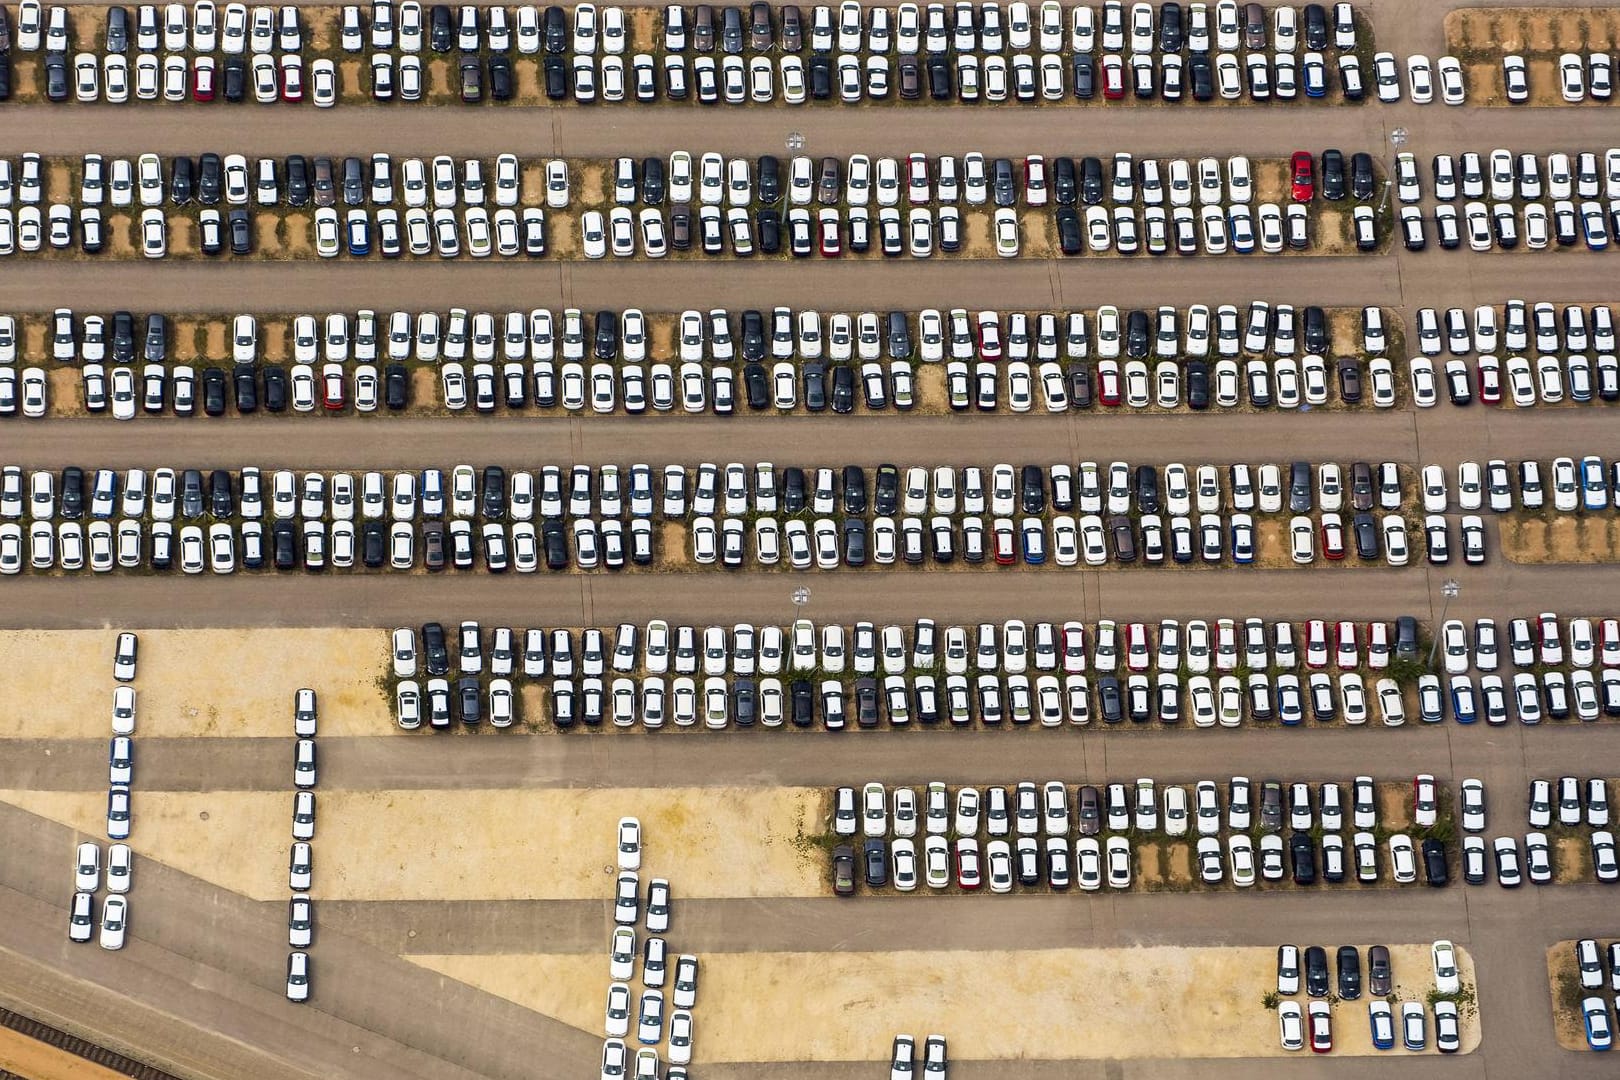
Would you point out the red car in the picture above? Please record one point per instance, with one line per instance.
(1348, 649)
(202, 79)
(332, 387)
(1006, 543)
(1108, 390)
(967, 863)
(1113, 70)
(1332, 537)
(831, 246)
(989, 336)
(292, 78)
(1304, 177)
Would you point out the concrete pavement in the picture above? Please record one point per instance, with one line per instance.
(198, 990)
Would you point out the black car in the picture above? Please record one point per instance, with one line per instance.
(435, 652)
(876, 856)
(247, 389)
(298, 189)
(1365, 531)
(1065, 184)
(815, 386)
(653, 186)
(191, 494)
(1361, 176)
(500, 78)
(234, 84)
(155, 348)
(1379, 976)
(843, 870)
(468, 701)
(1197, 385)
(1083, 76)
(275, 388)
(803, 703)
(745, 702)
(843, 389)
(1316, 971)
(441, 29)
(180, 180)
(556, 75)
(396, 387)
(855, 542)
(71, 505)
(373, 544)
(1202, 76)
(117, 29)
(241, 233)
(1302, 853)
(56, 77)
(1069, 235)
(939, 77)
(1108, 700)
(1349, 973)
(210, 179)
(284, 545)
(1332, 183)
(221, 496)
(866, 702)
(1349, 380)
(494, 493)
(1091, 181)
(756, 386)
(1434, 863)
(213, 380)
(472, 80)
(1080, 385)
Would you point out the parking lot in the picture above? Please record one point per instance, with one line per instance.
(469, 868)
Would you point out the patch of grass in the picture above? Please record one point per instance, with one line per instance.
(1270, 1000)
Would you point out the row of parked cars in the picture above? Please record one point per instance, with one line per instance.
(1590, 955)
(1013, 647)
(808, 534)
(1322, 989)
(1029, 835)
(87, 866)
(1231, 51)
(1031, 810)
(681, 492)
(621, 1003)
(931, 335)
(684, 179)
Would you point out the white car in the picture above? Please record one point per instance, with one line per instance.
(629, 847)
(114, 921)
(1443, 955)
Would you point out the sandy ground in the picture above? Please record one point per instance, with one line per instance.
(1564, 985)
(1560, 538)
(1480, 37)
(34, 1060)
(461, 845)
(1083, 1003)
(264, 670)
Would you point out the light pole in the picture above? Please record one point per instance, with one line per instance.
(795, 141)
(801, 597)
(1397, 139)
(1450, 590)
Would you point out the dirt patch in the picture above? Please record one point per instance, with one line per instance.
(1564, 987)
(1572, 860)
(1542, 539)
(1480, 37)
(343, 666)
(35, 1060)
(711, 841)
(1087, 1004)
